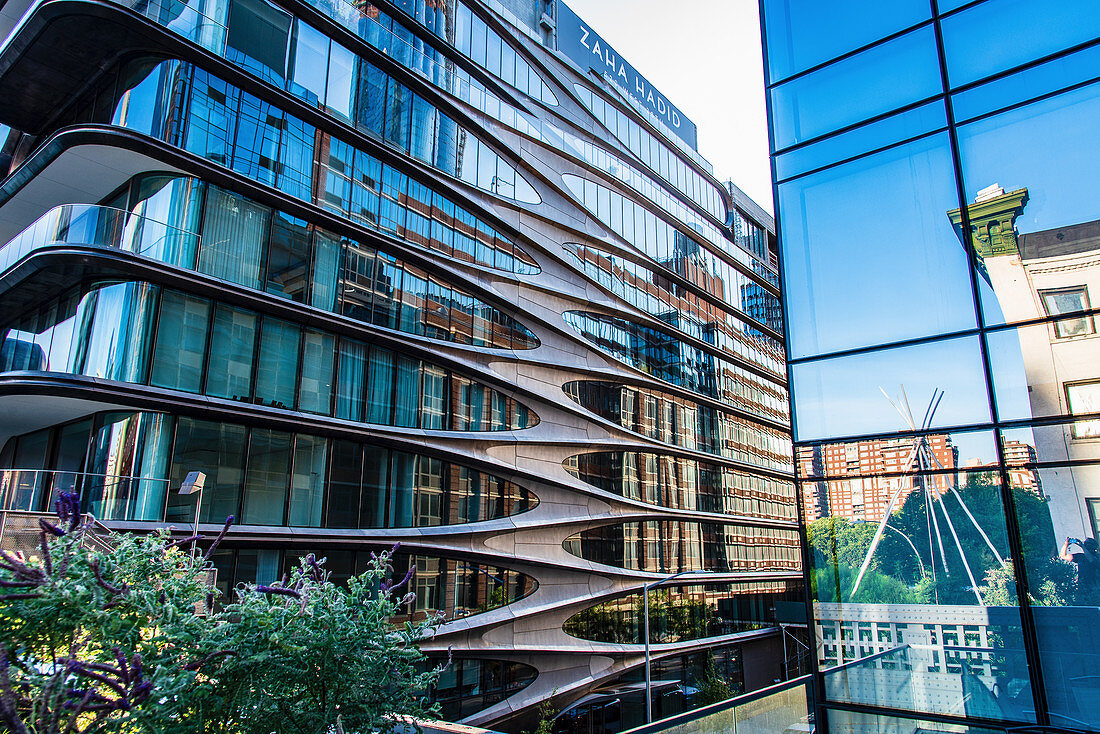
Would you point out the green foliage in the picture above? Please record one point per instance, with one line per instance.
(304, 658)
(105, 642)
(894, 575)
(98, 642)
(545, 713)
(713, 686)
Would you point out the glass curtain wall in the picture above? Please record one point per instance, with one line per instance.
(941, 265)
(123, 464)
(108, 330)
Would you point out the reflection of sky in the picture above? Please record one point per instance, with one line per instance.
(841, 396)
(870, 254)
(1049, 147)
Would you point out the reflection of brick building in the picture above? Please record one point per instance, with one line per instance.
(859, 478)
(1019, 459)
(1047, 369)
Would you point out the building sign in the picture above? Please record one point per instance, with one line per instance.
(581, 44)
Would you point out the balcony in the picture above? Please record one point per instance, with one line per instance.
(90, 225)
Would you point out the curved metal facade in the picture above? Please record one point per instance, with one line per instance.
(388, 273)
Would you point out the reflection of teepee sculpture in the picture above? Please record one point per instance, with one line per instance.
(922, 458)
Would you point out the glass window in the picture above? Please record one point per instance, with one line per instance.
(340, 93)
(345, 475)
(217, 450)
(371, 111)
(1029, 216)
(288, 257)
(229, 371)
(308, 481)
(1069, 300)
(233, 235)
(1013, 32)
(259, 128)
(863, 393)
(310, 63)
(407, 392)
(351, 387)
(315, 393)
(257, 37)
(1084, 397)
(180, 347)
(804, 33)
(277, 363)
(860, 274)
(324, 282)
(380, 387)
(213, 122)
(403, 493)
(266, 478)
(871, 83)
(433, 406)
(376, 473)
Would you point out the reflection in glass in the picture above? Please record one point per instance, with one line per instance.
(138, 455)
(1010, 36)
(685, 423)
(805, 33)
(685, 484)
(670, 546)
(119, 353)
(667, 358)
(467, 686)
(859, 275)
(688, 612)
(202, 92)
(855, 395)
(881, 79)
(670, 302)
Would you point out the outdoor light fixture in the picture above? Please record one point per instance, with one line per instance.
(192, 483)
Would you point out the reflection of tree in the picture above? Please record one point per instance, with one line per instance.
(671, 618)
(894, 575)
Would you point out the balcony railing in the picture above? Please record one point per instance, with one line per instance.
(103, 226)
(783, 709)
(32, 492)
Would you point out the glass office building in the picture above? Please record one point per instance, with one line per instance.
(427, 272)
(940, 251)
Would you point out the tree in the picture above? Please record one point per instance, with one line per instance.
(103, 642)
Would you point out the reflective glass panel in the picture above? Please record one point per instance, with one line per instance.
(879, 80)
(1032, 218)
(889, 390)
(804, 33)
(870, 253)
(1013, 32)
